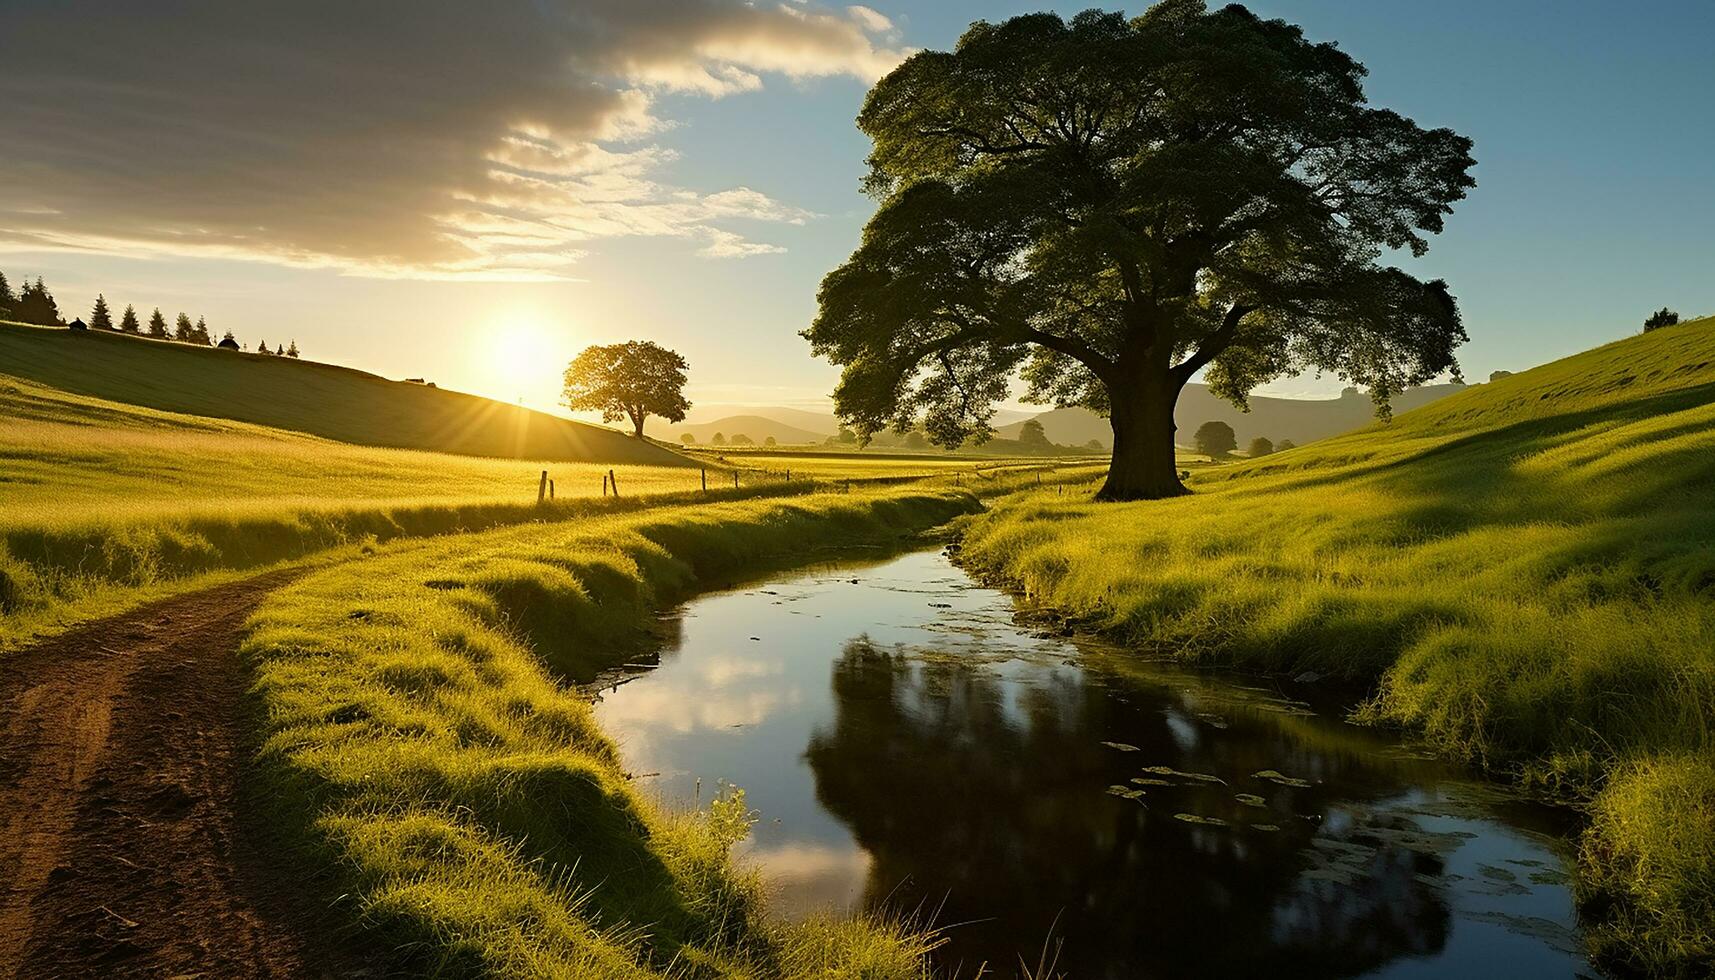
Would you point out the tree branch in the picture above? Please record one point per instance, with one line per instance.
(1213, 344)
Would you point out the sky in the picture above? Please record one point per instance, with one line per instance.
(472, 193)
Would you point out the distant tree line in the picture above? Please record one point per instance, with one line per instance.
(34, 304)
(1217, 440)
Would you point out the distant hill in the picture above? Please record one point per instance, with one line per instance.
(719, 418)
(305, 396)
(1301, 420)
(757, 427)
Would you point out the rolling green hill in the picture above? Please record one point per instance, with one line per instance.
(1523, 572)
(321, 399)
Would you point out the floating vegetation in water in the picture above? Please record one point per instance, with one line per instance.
(1125, 792)
(1271, 828)
(1212, 720)
(1276, 776)
(1150, 781)
(1251, 799)
(1201, 820)
(1201, 777)
(1547, 931)
(1499, 882)
(1122, 746)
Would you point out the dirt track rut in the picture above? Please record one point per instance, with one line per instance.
(125, 846)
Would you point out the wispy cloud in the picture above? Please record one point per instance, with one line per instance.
(389, 138)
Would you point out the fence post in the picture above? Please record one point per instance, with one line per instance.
(705, 479)
(788, 475)
(604, 484)
(735, 479)
(542, 488)
(550, 489)
(615, 481)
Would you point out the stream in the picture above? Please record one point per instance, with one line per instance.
(911, 747)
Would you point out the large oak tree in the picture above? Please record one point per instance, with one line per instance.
(1109, 206)
(633, 380)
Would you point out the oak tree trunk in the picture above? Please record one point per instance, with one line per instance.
(1143, 466)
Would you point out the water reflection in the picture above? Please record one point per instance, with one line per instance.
(909, 746)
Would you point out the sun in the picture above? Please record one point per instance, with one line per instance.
(526, 357)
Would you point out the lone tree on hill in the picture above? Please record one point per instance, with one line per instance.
(128, 323)
(718, 440)
(100, 318)
(261, 345)
(183, 330)
(1215, 439)
(1259, 447)
(1112, 206)
(199, 333)
(742, 440)
(292, 349)
(1663, 317)
(1285, 444)
(632, 380)
(688, 439)
(1032, 436)
(157, 325)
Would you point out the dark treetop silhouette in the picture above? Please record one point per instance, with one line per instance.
(1112, 205)
(632, 380)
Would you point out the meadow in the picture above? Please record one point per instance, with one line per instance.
(423, 746)
(104, 505)
(1522, 574)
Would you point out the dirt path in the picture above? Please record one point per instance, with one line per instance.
(124, 845)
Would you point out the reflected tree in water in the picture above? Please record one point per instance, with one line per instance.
(985, 800)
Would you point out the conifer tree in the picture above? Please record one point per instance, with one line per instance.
(36, 305)
(182, 329)
(128, 322)
(7, 300)
(262, 347)
(292, 349)
(228, 336)
(200, 333)
(280, 351)
(157, 325)
(100, 318)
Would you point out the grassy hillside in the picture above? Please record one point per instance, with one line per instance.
(1524, 572)
(103, 505)
(320, 399)
(421, 744)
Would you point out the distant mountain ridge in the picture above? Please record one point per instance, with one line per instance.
(1301, 420)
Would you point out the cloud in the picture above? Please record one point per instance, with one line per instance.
(389, 137)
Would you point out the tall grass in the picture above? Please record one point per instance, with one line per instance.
(422, 743)
(1523, 573)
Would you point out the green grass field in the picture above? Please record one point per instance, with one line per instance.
(304, 396)
(106, 504)
(1524, 573)
(420, 740)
